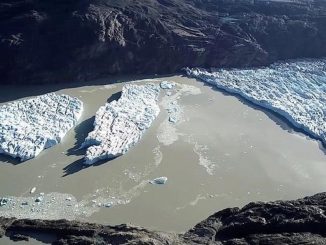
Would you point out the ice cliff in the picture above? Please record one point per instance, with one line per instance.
(29, 126)
(295, 90)
(120, 124)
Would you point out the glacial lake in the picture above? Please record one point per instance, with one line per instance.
(222, 152)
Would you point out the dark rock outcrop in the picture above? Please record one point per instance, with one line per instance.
(67, 40)
(283, 222)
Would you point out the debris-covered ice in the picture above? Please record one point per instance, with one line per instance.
(295, 90)
(29, 126)
(120, 124)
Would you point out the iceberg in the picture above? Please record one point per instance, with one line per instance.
(167, 85)
(29, 126)
(120, 124)
(296, 90)
(159, 181)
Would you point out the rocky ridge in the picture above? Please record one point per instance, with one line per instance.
(43, 41)
(282, 222)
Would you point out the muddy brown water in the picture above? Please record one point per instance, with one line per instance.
(221, 153)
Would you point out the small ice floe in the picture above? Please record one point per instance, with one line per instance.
(159, 181)
(173, 119)
(39, 199)
(4, 201)
(108, 205)
(167, 85)
(33, 190)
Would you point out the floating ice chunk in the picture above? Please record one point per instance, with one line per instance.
(120, 124)
(159, 181)
(29, 126)
(174, 111)
(167, 85)
(4, 201)
(33, 190)
(39, 198)
(295, 90)
(108, 205)
(173, 119)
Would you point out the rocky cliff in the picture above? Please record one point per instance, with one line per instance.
(67, 40)
(283, 222)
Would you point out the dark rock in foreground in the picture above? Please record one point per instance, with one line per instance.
(67, 40)
(283, 222)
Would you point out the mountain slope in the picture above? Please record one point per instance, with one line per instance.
(60, 41)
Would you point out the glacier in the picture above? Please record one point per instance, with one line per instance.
(120, 124)
(295, 89)
(29, 126)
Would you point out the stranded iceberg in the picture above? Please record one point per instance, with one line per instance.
(120, 124)
(296, 90)
(29, 126)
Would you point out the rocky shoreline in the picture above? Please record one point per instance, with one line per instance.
(280, 222)
(66, 41)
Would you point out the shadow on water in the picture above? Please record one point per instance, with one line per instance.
(280, 120)
(10, 160)
(82, 130)
(79, 165)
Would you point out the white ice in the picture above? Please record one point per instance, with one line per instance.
(167, 85)
(120, 124)
(29, 126)
(159, 181)
(295, 90)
